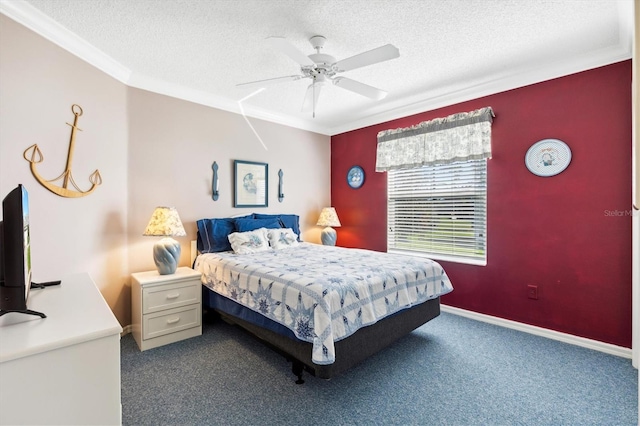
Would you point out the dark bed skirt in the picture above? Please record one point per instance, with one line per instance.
(349, 351)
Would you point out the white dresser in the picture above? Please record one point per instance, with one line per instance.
(165, 308)
(65, 368)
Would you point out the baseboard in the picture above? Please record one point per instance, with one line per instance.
(526, 328)
(539, 331)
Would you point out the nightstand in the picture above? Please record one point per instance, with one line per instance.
(165, 308)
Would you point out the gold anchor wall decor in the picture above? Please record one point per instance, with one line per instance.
(33, 155)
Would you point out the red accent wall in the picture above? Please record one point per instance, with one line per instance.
(569, 234)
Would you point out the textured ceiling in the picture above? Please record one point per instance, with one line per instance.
(449, 49)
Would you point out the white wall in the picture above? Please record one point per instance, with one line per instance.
(173, 144)
(150, 149)
(38, 84)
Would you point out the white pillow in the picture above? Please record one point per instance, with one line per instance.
(282, 238)
(249, 242)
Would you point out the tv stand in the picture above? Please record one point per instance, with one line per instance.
(22, 311)
(29, 311)
(44, 284)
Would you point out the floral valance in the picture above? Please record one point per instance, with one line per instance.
(458, 137)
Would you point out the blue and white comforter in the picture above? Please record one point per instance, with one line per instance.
(323, 294)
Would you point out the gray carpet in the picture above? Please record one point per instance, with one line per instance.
(451, 371)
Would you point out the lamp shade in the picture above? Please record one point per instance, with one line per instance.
(328, 217)
(165, 222)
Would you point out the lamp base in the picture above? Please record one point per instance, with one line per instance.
(166, 254)
(328, 236)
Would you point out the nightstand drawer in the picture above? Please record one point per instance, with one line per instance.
(171, 321)
(169, 296)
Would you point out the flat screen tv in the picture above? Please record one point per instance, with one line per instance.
(15, 254)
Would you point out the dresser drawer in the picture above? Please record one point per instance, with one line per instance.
(167, 296)
(171, 321)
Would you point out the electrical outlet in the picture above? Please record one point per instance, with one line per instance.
(532, 292)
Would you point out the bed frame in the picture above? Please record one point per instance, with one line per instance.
(349, 351)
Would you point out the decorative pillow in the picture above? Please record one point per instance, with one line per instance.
(249, 242)
(244, 225)
(282, 238)
(213, 233)
(288, 221)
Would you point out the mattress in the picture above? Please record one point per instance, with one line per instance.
(321, 293)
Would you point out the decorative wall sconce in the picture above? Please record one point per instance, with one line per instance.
(280, 186)
(215, 185)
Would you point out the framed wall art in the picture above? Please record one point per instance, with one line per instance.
(251, 182)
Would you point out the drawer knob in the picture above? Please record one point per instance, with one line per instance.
(173, 320)
(173, 295)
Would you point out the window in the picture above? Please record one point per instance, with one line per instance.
(439, 211)
(437, 186)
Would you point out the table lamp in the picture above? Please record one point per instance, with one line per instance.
(328, 218)
(165, 222)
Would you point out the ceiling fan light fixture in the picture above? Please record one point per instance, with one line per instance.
(320, 79)
(322, 68)
(311, 97)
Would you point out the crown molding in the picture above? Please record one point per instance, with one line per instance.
(496, 83)
(32, 18)
(512, 78)
(151, 84)
(27, 15)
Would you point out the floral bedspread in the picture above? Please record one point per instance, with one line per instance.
(322, 293)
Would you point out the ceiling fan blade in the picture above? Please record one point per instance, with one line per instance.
(290, 50)
(380, 54)
(311, 97)
(270, 81)
(359, 88)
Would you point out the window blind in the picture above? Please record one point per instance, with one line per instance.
(439, 211)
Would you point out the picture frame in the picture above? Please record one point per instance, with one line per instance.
(251, 184)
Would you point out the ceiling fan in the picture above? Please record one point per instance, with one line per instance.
(321, 69)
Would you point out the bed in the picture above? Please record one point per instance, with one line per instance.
(324, 308)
